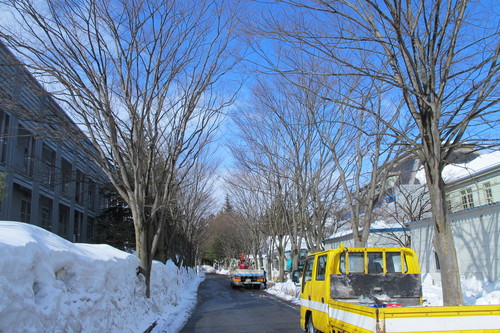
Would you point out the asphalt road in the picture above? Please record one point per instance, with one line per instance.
(223, 309)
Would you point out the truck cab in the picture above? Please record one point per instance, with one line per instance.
(375, 277)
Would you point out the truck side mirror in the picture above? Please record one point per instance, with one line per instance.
(296, 275)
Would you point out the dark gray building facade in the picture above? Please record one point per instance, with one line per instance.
(48, 181)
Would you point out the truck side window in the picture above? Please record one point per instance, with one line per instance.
(321, 268)
(356, 262)
(308, 268)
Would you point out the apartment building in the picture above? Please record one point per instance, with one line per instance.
(48, 181)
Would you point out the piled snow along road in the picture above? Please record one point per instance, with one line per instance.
(48, 284)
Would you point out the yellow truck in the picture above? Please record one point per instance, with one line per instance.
(362, 290)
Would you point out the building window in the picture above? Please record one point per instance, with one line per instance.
(488, 193)
(63, 221)
(91, 195)
(390, 196)
(467, 198)
(4, 132)
(45, 205)
(25, 211)
(66, 176)
(79, 192)
(90, 228)
(26, 147)
(77, 230)
(48, 166)
(448, 203)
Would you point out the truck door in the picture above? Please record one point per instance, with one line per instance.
(320, 293)
(305, 296)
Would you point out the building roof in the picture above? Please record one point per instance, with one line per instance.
(377, 226)
(456, 172)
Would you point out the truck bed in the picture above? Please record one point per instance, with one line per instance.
(360, 318)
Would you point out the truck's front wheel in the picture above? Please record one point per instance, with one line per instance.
(310, 326)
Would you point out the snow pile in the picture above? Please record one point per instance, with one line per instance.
(285, 290)
(474, 292)
(223, 271)
(208, 269)
(454, 172)
(51, 285)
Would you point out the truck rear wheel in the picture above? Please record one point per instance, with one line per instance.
(310, 326)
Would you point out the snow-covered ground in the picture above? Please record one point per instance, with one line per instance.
(48, 284)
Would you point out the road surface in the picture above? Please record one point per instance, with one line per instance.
(223, 309)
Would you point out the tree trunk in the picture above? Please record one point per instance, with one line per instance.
(142, 248)
(443, 241)
(282, 265)
(295, 258)
(261, 260)
(159, 247)
(269, 267)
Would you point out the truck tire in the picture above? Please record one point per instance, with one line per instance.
(310, 326)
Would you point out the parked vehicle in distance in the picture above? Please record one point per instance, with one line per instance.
(243, 276)
(378, 290)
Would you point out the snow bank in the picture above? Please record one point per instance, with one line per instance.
(51, 285)
(208, 269)
(285, 290)
(474, 292)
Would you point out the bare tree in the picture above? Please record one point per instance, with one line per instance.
(362, 151)
(251, 205)
(189, 212)
(283, 148)
(441, 58)
(140, 79)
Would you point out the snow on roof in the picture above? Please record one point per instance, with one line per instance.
(377, 225)
(454, 172)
